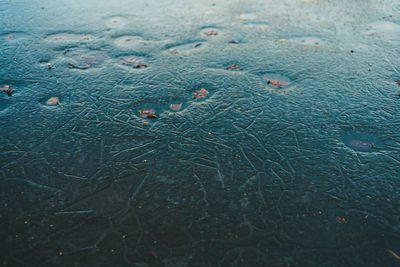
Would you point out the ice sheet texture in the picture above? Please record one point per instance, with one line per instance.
(248, 175)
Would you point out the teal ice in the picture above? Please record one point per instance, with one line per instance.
(111, 155)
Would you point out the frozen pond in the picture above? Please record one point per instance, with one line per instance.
(200, 133)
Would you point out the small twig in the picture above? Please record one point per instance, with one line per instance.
(375, 147)
(393, 254)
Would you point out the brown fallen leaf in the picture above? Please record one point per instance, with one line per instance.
(202, 93)
(150, 113)
(276, 83)
(393, 254)
(341, 219)
(233, 67)
(92, 59)
(211, 33)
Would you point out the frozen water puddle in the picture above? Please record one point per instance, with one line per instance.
(69, 38)
(276, 81)
(304, 41)
(92, 58)
(362, 142)
(129, 41)
(384, 28)
(82, 58)
(185, 48)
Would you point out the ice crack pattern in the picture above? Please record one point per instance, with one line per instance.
(199, 133)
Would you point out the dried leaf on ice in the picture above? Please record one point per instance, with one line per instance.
(211, 33)
(150, 113)
(233, 67)
(276, 83)
(202, 93)
(341, 219)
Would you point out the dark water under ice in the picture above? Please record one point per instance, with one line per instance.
(289, 156)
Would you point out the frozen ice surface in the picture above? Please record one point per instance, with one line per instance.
(247, 176)
(362, 142)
